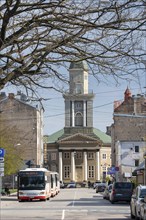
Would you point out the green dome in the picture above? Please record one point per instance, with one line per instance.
(79, 65)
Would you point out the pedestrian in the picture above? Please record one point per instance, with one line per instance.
(7, 191)
(89, 184)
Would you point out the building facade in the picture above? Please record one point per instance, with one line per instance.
(128, 132)
(76, 150)
(129, 155)
(22, 125)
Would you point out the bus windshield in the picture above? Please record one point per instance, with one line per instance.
(31, 180)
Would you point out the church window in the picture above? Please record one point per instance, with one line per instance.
(90, 155)
(78, 119)
(91, 171)
(66, 172)
(78, 155)
(66, 155)
(78, 105)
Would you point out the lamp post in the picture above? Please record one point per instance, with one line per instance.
(144, 156)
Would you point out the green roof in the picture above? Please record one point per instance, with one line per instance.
(101, 135)
(54, 137)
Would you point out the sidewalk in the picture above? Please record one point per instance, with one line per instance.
(6, 200)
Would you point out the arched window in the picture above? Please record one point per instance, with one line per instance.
(78, 119)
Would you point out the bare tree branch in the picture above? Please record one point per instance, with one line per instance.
(38, 36)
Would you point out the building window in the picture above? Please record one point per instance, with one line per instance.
(136, 163)
(136, 149)
(66, 172)
(90, 155)
(78, 119)
(66, 155)
(78, 106)
(53, 156)
(104, 168)
(103, 156)
(78, 155)
(91, 171)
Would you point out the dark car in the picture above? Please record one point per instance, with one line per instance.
(100, 187)
(71, 185)
(121, 191)
(95, 184)
(107, 191)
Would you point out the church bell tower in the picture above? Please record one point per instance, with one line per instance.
(78, 102)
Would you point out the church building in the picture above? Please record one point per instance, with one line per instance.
(79, 152)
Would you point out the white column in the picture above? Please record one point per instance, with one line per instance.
(85, 166)
(84, 111)
(98, 165)
(73, 166)
(73, 114)
(60, 166)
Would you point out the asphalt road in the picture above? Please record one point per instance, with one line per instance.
(69, 204)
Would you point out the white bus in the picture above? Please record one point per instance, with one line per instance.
(55, 183)
(34, 183)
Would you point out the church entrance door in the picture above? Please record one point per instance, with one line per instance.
(79, 174)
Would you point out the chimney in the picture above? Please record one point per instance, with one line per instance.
(11, 96)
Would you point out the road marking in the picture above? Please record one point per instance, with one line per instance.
(73, 203)
(63, 214)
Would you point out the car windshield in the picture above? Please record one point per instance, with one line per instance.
(123, 185)
(142, 193)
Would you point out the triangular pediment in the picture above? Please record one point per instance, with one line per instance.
(78, 138)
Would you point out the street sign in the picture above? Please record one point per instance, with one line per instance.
(2, 152)
(111, 170)
(1, 169)
(1, 164)
(1, 159)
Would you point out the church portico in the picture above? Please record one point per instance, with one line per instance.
(81, 154)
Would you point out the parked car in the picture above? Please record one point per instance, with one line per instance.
(107, 191)
(139, 194)
(100, 187)
(95, 184)
(143, 209)
(121, 191)
(71, 185)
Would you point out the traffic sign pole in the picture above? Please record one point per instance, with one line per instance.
(2, 153)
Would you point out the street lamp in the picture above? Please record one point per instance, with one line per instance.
(144, 156)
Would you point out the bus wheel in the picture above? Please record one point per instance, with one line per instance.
(48, 198)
